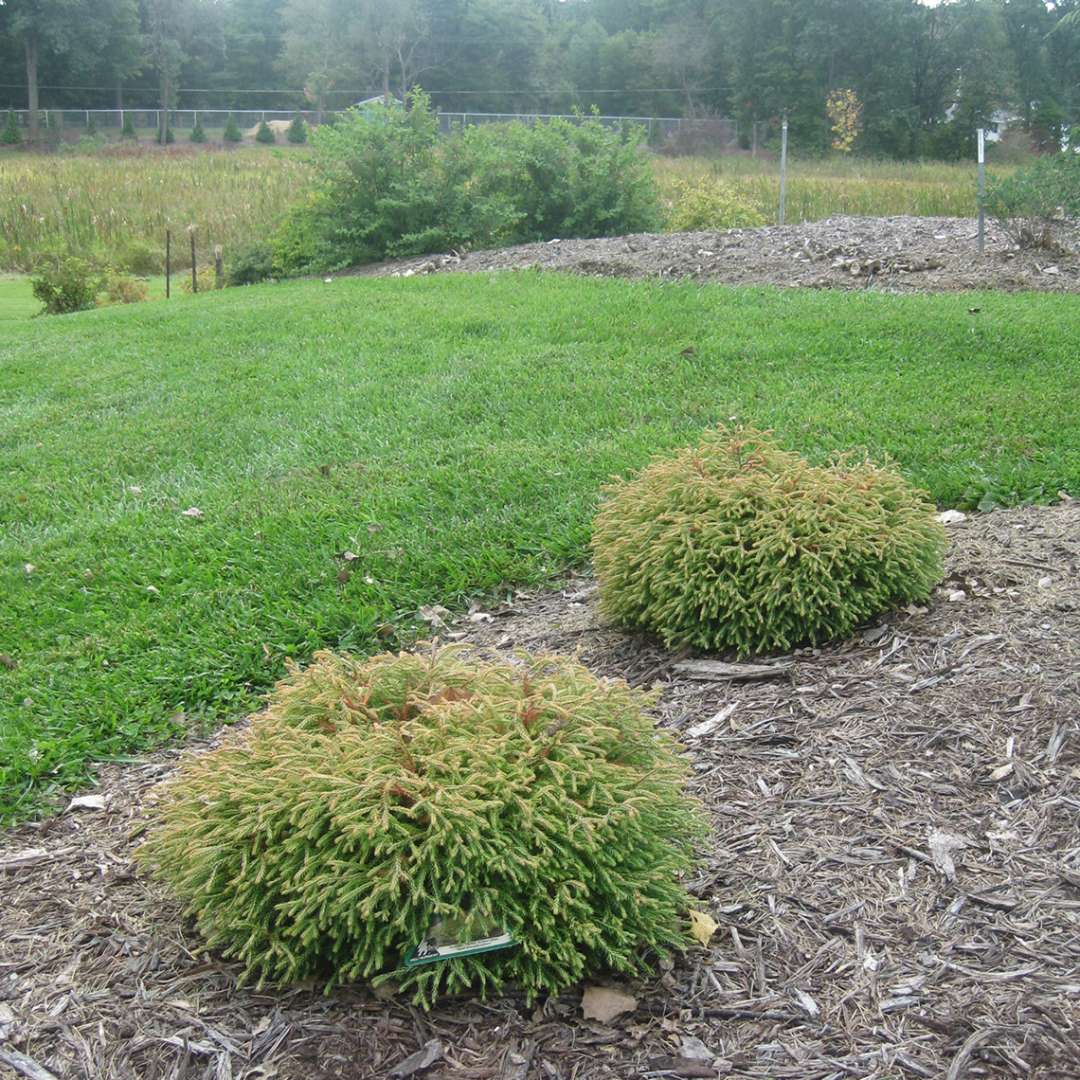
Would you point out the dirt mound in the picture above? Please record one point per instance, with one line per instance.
(898, 254)
(894, 867)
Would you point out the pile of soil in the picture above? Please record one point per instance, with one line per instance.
(897, 254)
(894, 866)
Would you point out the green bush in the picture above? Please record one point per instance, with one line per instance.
(737, 544)
(198, 135)
(65, 284)
(1028, 202)
(389, 185)
(250, 264)
(91, 127)
(123, 289)
(11, 136)
(265, 134)
(704, 204)
(375, 799)
(298, 130)
(139, 257)
(127, 129)
(232, 132)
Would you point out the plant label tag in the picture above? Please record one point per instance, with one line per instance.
(435, 947)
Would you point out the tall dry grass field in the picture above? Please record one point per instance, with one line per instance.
(820, 189)
(117, 204)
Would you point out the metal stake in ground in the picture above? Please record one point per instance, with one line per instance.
(194, 264)
(168, 262)
(981, 134)
(783, 169)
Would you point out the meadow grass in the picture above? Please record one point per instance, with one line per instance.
(452, 433)
(818, 189)
(101, 204)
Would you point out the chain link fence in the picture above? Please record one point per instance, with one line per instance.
(674, 134)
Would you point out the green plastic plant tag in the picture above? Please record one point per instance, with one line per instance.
(439, 944)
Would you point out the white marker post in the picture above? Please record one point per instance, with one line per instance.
(982, 189)
(783, 168)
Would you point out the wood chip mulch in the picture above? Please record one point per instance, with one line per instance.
(894, 867)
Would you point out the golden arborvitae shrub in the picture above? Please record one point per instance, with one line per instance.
(375, 799)
(736, 544)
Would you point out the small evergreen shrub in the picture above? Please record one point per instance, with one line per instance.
(377, 798)
(297, 132)
(11, 136)
(127, 129)
(65, 284)
(232, 132)
(265, 134)
(91, 127)
(737, 544)
(704, 204)
(251, 264)
(1029, 202)
(198, 135)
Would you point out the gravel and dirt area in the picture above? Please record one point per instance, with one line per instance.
(897, 254)
(894, 866)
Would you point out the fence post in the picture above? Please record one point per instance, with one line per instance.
(783, 168)
(168, 262)
(982, 189)
(194, 266)
(219, 268)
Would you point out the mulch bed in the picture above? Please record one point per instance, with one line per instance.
(894, 865)
(885, 254)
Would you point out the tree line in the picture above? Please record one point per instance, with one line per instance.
(922, 75)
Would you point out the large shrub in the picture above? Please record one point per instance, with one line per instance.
(388, 184)
(376, 799)
(1028, 202)
(10, 135)
(65, 283)
(737, 544)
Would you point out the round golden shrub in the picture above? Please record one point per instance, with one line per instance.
(376, 799)
(736, 544)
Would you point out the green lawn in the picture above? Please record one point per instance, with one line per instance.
(16, 300)
(452, 433)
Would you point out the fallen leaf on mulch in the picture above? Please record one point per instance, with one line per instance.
(604, 1004)
(424, 1058)
(703, 926)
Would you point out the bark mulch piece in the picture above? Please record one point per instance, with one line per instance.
(894, 867)
(890, 254)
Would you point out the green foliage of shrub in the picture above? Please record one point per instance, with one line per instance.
(140, 257)
(10, 136)
(298, 130)
(127, 129)
(374, 798)
(703, 204)
(1028, 202)
(389, 185)
(738, 544)
(205, 276)
(166, 136)
(232, 132)
(65, 284)
(250, 264)
(124, 289)
(198, 134)
(265, 134)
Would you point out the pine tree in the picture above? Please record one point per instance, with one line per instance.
(127, 129)
(297, 132)
(198, 135)
(265, 134)
(231, 132)
(11, 136)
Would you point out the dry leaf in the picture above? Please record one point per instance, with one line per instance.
(703, 926)
(705, 726)
(951, 517)
(192, 512)
(604, 1004)
(1002, 771)
(87, 802)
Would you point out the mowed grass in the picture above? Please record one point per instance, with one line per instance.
(451, 435)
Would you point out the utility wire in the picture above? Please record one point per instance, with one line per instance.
(379, 92)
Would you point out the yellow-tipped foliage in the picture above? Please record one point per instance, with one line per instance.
(375, 797)
(736, 544)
